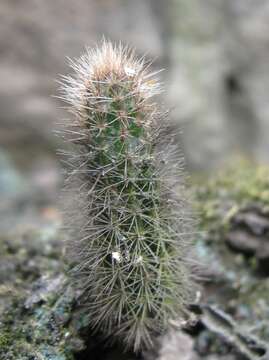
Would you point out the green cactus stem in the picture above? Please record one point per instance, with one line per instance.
(130, 227)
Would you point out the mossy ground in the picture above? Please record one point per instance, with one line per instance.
(222, 194)
(40, 316)
(235, 282)
(37, 302)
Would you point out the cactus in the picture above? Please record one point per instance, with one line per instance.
(130, 228)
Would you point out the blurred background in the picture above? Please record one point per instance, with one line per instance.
(214, 52)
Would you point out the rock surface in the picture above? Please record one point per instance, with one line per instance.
(219, 78)
(249, 235)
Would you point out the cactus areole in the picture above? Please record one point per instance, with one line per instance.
(130, 228)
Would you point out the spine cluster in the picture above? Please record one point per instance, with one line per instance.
(130, 225)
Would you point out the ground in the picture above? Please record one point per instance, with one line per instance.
(41, 316)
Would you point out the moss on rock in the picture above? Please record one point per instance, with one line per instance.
(40, 315)
(233, 205)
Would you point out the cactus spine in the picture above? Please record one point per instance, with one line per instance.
(130, 226)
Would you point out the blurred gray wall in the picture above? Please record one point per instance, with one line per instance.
(215, 53)
(220, 78)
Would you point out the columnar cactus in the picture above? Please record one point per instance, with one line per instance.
(130, 225)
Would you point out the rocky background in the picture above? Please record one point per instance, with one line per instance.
(215, 54)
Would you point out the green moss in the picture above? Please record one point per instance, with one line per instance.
(40, 328)
(36, 303)
(5, 340)
(235, 284)
(235, 186)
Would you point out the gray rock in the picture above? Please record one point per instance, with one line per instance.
(219, 79)
(215, 53)
(249, 235)
(175, 343)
